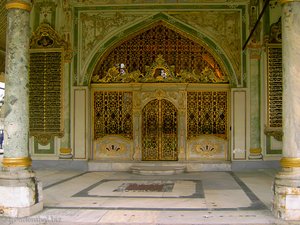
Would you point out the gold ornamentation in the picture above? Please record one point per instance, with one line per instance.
(274, 86)
(159, 54)
(287, 162)
(255, 150)
(46, 38)
(113, 114)
(207, 113)
(222, 26)
(113, 146)
(19, 5)
(206, 146)
(206, 150)
(161, 72)
(47, 54)
(45, 94)
(159, 131)
(65, 151)
(16, 162)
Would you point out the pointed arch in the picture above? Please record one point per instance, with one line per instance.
(105, 48)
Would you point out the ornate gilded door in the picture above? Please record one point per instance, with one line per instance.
(159, 131)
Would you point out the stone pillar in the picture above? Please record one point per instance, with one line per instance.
(286, 202)
(19, 189)
(255, 149)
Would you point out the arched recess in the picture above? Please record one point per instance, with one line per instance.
(103, 49)
(161, 60)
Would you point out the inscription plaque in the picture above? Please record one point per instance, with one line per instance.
(45, 91)
(274, 54)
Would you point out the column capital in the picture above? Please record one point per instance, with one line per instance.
(287, 162)
(16, 162)
(288, 1)
(16, 4)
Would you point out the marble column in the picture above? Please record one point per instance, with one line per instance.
(19, 189)
(286, 202)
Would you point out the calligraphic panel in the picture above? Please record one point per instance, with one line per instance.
(274, 56)
(45, 92)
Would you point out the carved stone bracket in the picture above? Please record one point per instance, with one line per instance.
(277, 134)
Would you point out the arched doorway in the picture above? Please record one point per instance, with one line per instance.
(159, 131)
(160, 98)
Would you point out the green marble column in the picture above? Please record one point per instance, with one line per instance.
(16, 113)
(286, 201)
(20, 191)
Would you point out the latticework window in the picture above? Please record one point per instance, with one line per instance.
(112, 114)
(141, 51)
(207, 113)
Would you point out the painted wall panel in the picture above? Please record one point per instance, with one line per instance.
(80, 124)
(239, 126)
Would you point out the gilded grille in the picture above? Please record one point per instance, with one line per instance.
(112, 114)
(180, 52)
(159, 131)
(207, 113)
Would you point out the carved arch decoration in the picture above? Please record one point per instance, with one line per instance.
(103, 48)
(45, 37)
(160, 54)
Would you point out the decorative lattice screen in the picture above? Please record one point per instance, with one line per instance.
(207, 113)
(141, 51)
(112, 114)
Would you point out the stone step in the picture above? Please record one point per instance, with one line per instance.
(157, 170)
(190, 166)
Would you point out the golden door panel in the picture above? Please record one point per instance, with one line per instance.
(159, 137)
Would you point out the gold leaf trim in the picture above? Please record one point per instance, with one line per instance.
(19, 5)
(290, 162)
(17, 162)
(65, 150)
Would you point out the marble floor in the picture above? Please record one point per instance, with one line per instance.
(76, 197)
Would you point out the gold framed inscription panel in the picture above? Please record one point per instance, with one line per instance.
(46, 94)
(48, 53)
(274, 91)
